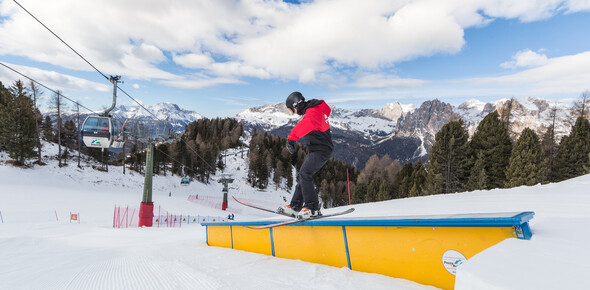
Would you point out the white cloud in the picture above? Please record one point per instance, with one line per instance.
(380, 81)
(525, 58)
(51, 79)
(193, 60)
(228, 40)
(233, 68)
(148, 52)
(198, 81)
(566, 74)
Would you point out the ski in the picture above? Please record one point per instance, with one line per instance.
(260, 208)
(290, 222)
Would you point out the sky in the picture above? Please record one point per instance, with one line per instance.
(42, 249)
(219, 58)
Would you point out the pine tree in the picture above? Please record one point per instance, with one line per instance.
(527, 162)
(359, 193)
(403, 181)
(419, 180)
(278, 174)
(69, 134)
(258, 173)
(35, 92)
(478, 178)
(372, 191)
(17, 124)
(384, 193)
(434, 183)
(573, 151)
(492, 139)
(4, 97)
(450, 157)
(549, 143)
(57, 104)
(47, 129)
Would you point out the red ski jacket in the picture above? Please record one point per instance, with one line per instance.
(314, 127)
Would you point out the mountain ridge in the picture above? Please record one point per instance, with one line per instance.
(407, 133)
(402, 131)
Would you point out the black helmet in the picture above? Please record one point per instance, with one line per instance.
(293, 99)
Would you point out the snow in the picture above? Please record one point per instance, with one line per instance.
(408, 108)
(274, 116)
(40, 252)
(370, 126)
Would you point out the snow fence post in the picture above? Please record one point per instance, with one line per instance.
(146, 208)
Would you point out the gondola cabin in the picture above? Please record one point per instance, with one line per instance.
(102, 132)
(185, 181)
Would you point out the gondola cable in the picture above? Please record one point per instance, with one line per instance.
(110, 79)
(46, 87)
(90, 64)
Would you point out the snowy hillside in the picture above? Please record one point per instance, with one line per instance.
(41, 249)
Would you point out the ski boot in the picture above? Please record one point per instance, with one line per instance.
(306, 213)
(287, 210)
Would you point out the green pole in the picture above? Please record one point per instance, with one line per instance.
(146, 208)
(149, 169)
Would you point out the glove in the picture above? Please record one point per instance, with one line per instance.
(291, 146)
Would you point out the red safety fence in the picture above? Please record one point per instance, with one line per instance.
(125, 217)
(215, 202)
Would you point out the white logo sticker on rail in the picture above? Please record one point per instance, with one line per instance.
(451, 259)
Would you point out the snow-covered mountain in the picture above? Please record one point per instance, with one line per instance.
(176, 117)
(407, 133)
(373, 124)
(402, 131)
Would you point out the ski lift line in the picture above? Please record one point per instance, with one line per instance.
(61, 39)
(46, 87)
(168, 126)
(88, 62)
(97, 70)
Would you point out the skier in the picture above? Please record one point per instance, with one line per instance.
(315, 129)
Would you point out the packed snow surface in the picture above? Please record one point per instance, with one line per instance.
(41, 248)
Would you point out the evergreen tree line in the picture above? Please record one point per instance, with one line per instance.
(271, 164)
(199, 154)
(22, 127)
(18, 119)
(489, 160)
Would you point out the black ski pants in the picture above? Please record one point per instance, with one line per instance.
(305, 194)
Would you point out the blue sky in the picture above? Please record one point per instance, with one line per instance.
(221, 57)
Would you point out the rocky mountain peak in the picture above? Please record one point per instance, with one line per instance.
(430, 117)
(392, 111)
